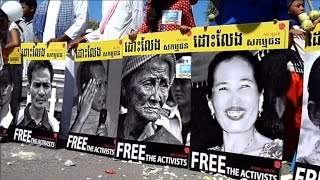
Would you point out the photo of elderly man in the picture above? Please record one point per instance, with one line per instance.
(35, 115)
(146, 81)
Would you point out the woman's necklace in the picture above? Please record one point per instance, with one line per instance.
(254, 133)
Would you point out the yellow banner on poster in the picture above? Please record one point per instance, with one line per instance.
(256, 36)
(102, 50)
(42, 51)
(12, 56)
(313, 40)
(157, 43)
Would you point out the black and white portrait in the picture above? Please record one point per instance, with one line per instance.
(90, 114)
(177, 109)
(309, 140)
(6, 94)
(41, 96)
(227, 101)
(96, 98)
(145, 88)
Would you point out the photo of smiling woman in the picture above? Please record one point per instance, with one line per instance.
(145, 86)
(234, 98)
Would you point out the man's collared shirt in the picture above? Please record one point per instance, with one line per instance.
(172, 121)
(48, 123)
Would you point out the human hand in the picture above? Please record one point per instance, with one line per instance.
(37, 40)
(87, 98)
(316, 21)
(184, 29)
(61, 38)
(298, 33)
(102, 130)
(133, 35)
(51, 40)
(74, 44)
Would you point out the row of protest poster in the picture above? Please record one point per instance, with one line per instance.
(217, 103)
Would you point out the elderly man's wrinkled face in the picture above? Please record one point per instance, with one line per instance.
(149, 89)
(40, 88)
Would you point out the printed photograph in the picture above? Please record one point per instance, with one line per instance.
(95, 109)
(41, 95)
(155, 105)
(309, 140)
(9, 97)
(239, 102)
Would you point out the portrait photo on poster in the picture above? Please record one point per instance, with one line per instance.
(42, 95)
(150, 97)
(95, 107)
(308, 152)
(10, 90)
(89, 113)
(233, 94)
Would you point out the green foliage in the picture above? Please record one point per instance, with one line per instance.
(211, 8)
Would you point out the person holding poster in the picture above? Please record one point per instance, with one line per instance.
(313, 111)
(234, 90)
(35, 115)
(146, 81)
(118, 19)
(167, 16)
(58, 21)
(6, 88)
(92, 84)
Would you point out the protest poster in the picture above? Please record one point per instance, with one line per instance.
(43, 51)
(95, 108)
(237, 130)
(107, 50)
(10, 89)
(308, 157)
(255, 36)
(40, 102)
(150, 125)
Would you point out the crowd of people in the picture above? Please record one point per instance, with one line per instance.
(147, 80)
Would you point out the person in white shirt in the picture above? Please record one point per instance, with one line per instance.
(118, 19)
(177, 121)
(70, 17)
